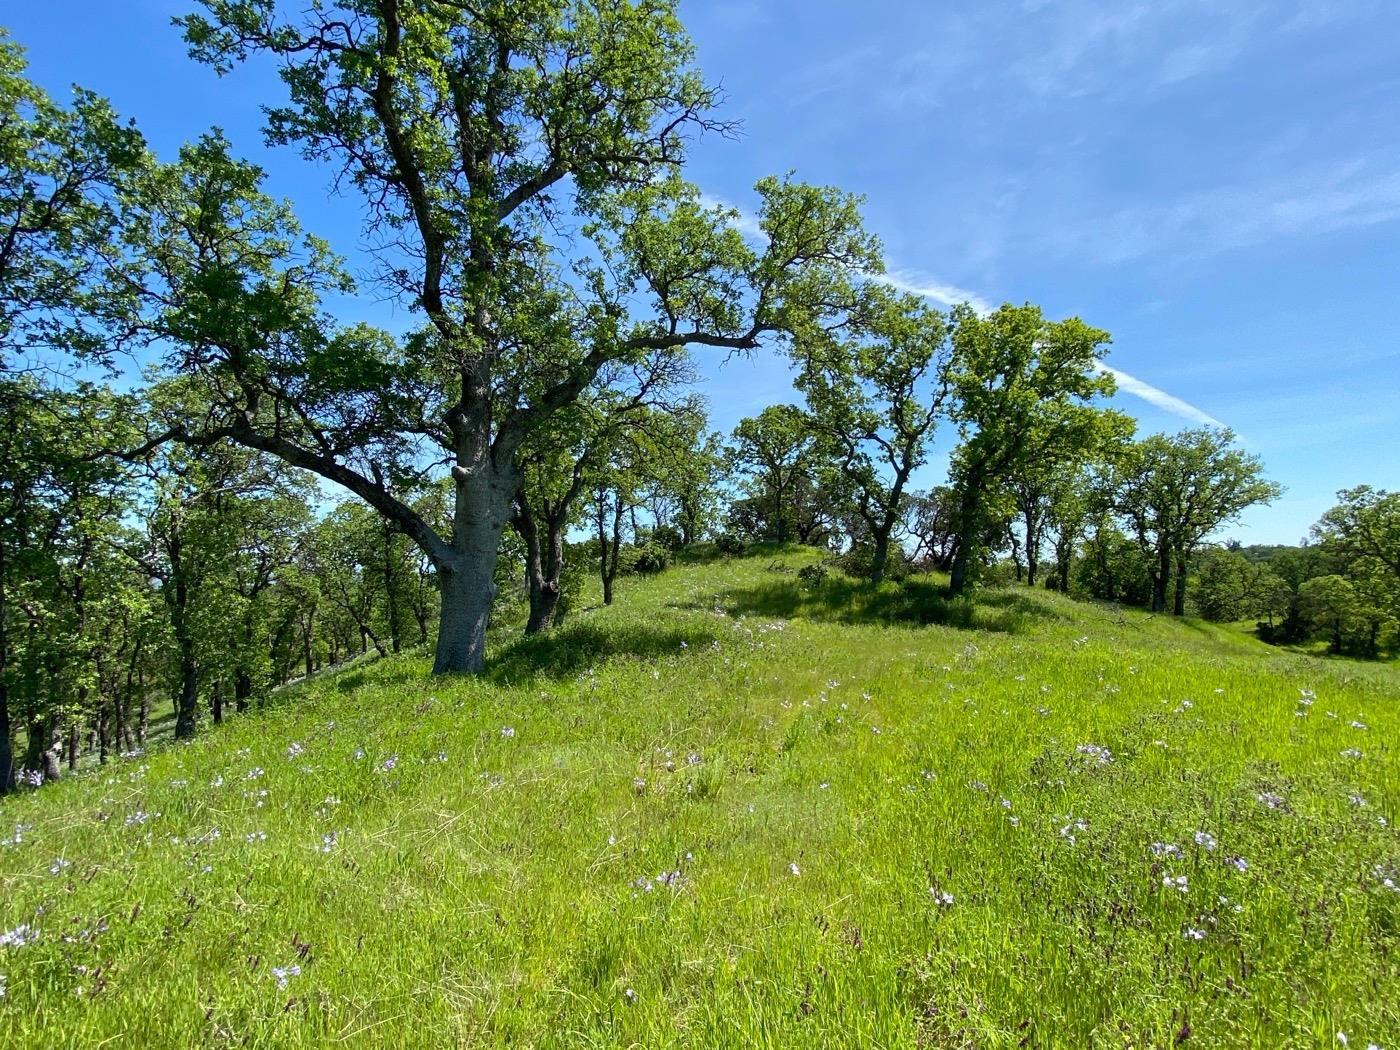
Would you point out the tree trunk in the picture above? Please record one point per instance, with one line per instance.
(1159, 581)
(242, 690)
(1179, 599)
(7, 744)
(880, 553)
(967, 527)
(391, 595)
(187, 701)
(74, 740)
(542, 568)
(7, 740)
(216, 703)
(307, 655)
(45, 746)
(104, 729)
(468, 583)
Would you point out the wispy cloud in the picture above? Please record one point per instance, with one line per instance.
(1315, 202)
(951, 295)
(945, 294)
(1160, 398)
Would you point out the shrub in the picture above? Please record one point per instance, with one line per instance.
(728, 543)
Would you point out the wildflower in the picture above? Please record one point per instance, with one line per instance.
(294, 749)
(19, 936)
(940, 897)
(1238, 863)
(1193, 934)
(627, 993)
(1270, 799)
(1350, 752)
(254, 773)
(58, 865)
(1102, 755)
(692, 759)
(823, 785)
(31, 777)
(1006, 803)
(1074, 824)
(1164, 849)
(639, 785)
(1356, 725)
(1185, 705)
(387, 766)
(328, 841)
(977, 785)
(2, 986)
(794, 870)
(1177, 882)
(1356, 800)
(508, 732)
(359, 754)
(1015, 821)
(284, 973)
(255, 836)
(1204, 839)
(217, 782)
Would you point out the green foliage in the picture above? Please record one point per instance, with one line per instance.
(60, 171)
(875, 394)
(1022, 387)
(1174, 491)
(729, 543)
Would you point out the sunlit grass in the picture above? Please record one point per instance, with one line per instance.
(728, 812)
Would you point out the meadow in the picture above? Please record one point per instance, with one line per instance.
(740, 808)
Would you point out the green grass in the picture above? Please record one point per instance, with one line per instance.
(727, 723)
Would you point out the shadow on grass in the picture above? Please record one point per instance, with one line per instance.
(575, 646)
(916, 602)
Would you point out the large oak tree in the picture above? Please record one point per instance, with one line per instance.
(518, 170)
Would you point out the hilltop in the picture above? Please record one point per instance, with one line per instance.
(742, 808)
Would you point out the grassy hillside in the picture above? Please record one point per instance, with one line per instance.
(733, 811)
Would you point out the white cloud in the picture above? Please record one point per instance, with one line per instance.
(742, 220)
(946, 294)
(1154, 396)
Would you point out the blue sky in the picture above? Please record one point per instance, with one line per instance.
(1215, 183)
